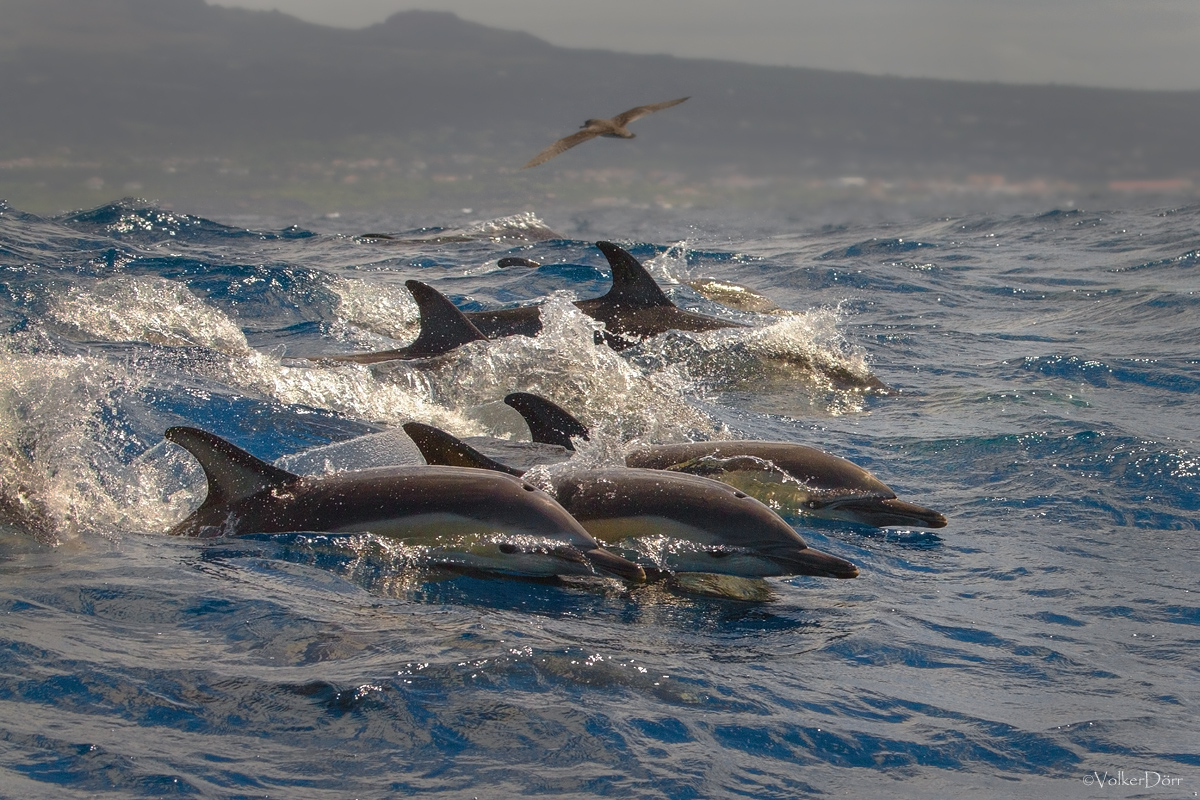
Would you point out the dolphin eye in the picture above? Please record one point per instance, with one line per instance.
(508, 547)
(813, 504)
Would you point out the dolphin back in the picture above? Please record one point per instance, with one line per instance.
(442, 449)
(548, 423)
(232, 473)
(814, 468)
(632, 284)
(443, 326)
(636, 308)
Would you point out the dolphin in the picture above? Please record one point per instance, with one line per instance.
(517, 261)
(733, 295)
(443, 328)
(504, 524)
(613, 127)
(793, 479)
(790, 478)
(714, 527)
(635, 308)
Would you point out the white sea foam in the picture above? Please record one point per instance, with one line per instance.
(73, 460)
(344, 388)
(165, 313)
(384, 449)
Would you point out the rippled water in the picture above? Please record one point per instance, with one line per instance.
(1044, 379)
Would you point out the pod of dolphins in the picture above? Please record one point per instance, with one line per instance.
(635, 308)
(702, 507)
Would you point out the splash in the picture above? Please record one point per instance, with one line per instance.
(564, 364)
(153, 310)
(670, 266)
(384, 449)
(23, 495)
(380, 308)
(349, 389)
(524, 227)
(804, 355)
(83, 454)
(164, 313)
(73, 460)
(82, 448)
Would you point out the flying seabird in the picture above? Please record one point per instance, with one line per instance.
(614, 127)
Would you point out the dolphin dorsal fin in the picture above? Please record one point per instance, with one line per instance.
(548, 423)
(632, 284)
(441, 449)
(232, 472)
(443, 326)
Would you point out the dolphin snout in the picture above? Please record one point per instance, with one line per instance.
(807, 561)
(612, 564)
(884, 512)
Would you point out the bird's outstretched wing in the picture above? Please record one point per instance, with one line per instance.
(561, 146)
(641, 111)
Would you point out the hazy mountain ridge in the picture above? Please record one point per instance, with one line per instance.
(146, 79)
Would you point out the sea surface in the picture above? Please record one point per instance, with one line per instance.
(1042, 374)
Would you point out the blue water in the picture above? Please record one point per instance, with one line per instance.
(1044, 380)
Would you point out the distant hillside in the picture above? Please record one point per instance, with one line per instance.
(138, 80)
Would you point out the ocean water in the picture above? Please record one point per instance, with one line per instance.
(1043, 378)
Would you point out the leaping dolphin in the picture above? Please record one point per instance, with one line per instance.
(507, 525)
(790, 478)
(713, 528)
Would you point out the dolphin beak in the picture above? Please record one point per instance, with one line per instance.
(885, 512)
(927, 517)
(807, 561)
(610, 564)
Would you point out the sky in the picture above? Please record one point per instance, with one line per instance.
(1129, 44)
